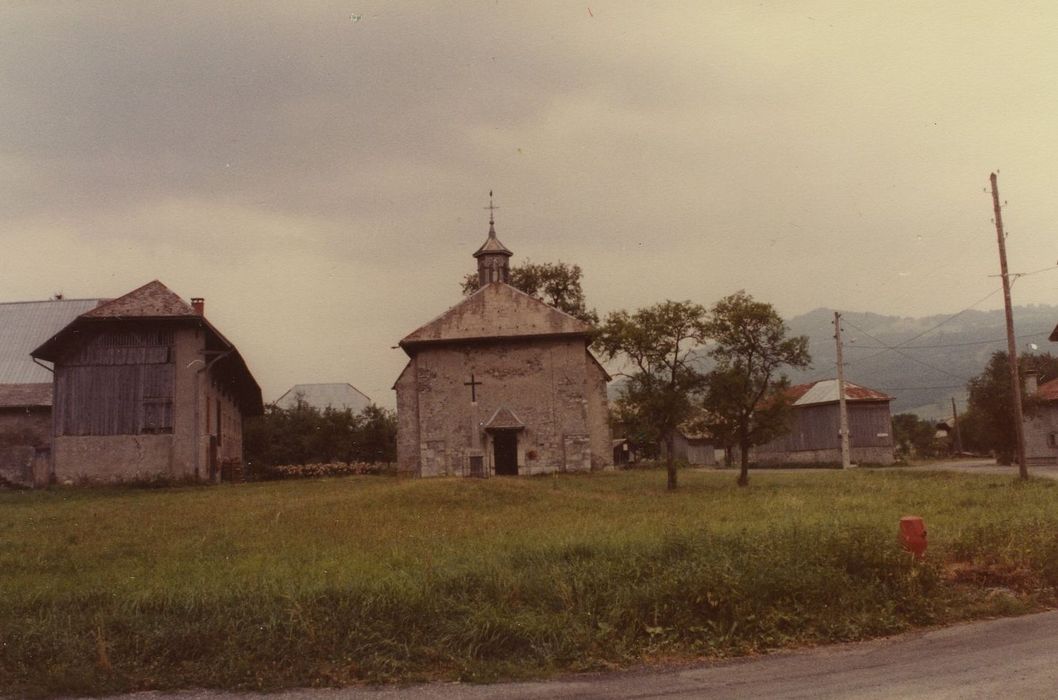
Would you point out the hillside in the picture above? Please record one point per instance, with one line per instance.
(934, 356)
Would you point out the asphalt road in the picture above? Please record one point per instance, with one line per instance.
(1014, 658)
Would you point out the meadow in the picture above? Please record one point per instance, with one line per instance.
(372, 579)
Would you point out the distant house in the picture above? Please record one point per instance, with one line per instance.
(145, 386)
(1041, 422)
(339, 396)
(25, 387)
(814, 429)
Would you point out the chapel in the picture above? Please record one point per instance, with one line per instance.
(501, 384)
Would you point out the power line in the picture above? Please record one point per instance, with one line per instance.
(928, 330)
(910, 357)
(944, 345)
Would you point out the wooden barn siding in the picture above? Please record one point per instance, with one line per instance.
(816, 428)
(116, 384)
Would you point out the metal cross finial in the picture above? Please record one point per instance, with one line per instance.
(491, 207)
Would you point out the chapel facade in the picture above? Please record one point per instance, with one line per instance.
(501, 384)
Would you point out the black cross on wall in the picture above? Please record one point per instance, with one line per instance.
(473, 388)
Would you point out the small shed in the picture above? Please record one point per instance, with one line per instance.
(695, 447)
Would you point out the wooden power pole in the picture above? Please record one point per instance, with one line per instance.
(1012, 349)
(843, 413)
(957, 445)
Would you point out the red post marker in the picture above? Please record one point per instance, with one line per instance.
(913, 535)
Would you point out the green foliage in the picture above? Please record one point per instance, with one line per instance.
(303, 434)
(915, 437)
(744, 401)
(557, 284)
(337, 582)
(659, 343)
(988, 425)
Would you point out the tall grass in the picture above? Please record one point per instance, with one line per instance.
(363, 579)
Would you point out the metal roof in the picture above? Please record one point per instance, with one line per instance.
(26, 324)
(492, 245)
(339, 396)
(826, 391)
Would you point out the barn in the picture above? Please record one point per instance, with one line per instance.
(814, 436)
(146, 387)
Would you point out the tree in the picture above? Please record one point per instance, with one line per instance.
(557, 284)
(913, 436)
(303, 434)
(745, 392)
(659, 342)
(988, 425)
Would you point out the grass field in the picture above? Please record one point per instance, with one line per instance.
(330, 582)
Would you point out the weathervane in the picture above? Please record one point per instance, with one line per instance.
(491, 207)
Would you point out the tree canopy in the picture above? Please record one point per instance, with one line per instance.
(557, 284)
(659, 344)
(303, 434)
(744, 398)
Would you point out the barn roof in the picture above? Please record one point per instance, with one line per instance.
(152, 300)
(338, 396)
(826, 391)
(26, 324)
(156, 302)
(25, 395)
(497, 310)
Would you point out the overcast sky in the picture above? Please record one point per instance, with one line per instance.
(318, 171)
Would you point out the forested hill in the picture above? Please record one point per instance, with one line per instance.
(934, 355)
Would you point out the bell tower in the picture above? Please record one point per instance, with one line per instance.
(493, 257)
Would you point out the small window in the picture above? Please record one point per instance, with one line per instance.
(1052, 440)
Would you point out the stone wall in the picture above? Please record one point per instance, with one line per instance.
(858, 455)
(25, 434)
(1040, 446)
(111, 457)
(407, 421)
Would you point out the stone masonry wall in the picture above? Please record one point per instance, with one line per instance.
(544, 382)
(24, 432)
(1038, 429)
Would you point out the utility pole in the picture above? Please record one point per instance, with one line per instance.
(843, 414)
(955, 426)
(1012, 350)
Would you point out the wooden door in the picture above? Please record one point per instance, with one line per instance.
(505, 447)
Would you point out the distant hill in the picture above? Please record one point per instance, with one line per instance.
(934, 356)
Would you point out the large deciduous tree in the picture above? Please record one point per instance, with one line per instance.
(745, 393)
(658, 345)
(557, 284)
(988, 425)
